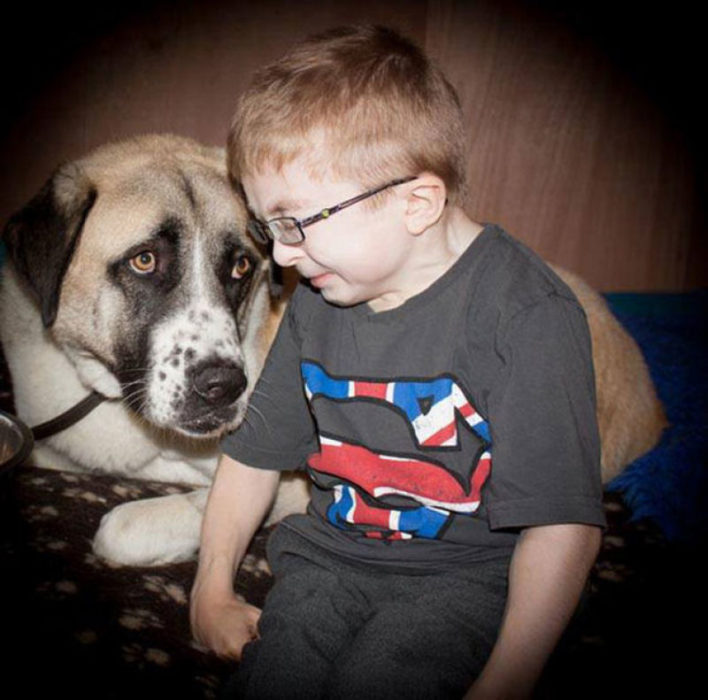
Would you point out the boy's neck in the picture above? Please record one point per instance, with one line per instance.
(433, 253)
(459, 231)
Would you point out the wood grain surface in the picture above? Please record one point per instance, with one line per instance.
(585, 131)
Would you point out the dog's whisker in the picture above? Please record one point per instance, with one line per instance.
(136, 370)
(259, 392)
(135, 400)
(141, 387)
(260, 414)
(137, 382)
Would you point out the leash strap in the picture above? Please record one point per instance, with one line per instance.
(68, 418)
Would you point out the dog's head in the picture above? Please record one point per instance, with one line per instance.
(144, 276)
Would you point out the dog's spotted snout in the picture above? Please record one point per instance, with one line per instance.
(219, 383)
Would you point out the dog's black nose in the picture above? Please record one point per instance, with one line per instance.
(219, 383)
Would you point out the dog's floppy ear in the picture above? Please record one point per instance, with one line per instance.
(41, 238)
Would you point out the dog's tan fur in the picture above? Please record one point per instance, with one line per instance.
(59, 347)
(630, 416)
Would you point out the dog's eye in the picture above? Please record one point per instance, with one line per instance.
(144, 263)
(241, 267)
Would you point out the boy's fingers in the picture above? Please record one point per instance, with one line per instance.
(226, 628)
(242, 630)
(253, 627)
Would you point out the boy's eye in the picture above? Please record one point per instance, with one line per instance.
(241, 267)
(144, 263)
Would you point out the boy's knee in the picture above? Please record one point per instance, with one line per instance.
(416, 652)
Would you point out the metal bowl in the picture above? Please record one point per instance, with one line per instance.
(16, 443)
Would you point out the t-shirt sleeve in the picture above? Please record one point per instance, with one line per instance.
(545, 442)
(278, 430)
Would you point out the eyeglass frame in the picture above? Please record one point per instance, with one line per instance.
(263, 233)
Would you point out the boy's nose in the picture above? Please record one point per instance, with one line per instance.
(286, 255)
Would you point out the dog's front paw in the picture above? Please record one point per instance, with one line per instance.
(151, 532)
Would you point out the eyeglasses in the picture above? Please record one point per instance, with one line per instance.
(289, 230)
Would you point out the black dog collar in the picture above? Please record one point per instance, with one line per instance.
(68, 418)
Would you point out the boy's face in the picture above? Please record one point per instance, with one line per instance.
(357, 255)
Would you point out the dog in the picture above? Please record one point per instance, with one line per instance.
(131, 275)
(630, 416)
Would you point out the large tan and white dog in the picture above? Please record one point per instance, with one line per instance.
(130, 274)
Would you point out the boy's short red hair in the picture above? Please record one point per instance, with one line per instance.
(370, 99)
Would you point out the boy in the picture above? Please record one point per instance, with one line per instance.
(436, 378)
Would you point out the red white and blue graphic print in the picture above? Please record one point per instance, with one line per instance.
(435, 410)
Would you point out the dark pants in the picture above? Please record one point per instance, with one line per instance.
(333, 630)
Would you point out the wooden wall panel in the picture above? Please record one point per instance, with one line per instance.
(564, 151)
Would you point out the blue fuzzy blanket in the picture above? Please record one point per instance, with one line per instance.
(669, 485)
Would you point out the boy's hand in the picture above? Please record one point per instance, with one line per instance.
(223, 624)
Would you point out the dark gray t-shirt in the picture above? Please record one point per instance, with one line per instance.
(434, 431)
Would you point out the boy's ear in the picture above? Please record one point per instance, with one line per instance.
(425, 202)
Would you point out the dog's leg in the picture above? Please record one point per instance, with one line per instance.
(152, 531)
(164, 530)
(45, 457)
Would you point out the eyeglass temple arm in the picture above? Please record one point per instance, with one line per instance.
(328, 211)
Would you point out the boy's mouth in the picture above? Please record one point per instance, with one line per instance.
(321, 279)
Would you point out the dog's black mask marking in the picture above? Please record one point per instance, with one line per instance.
(41, 238)
(237, 290)
(276, 283)
(147, 294)
(147, 297)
